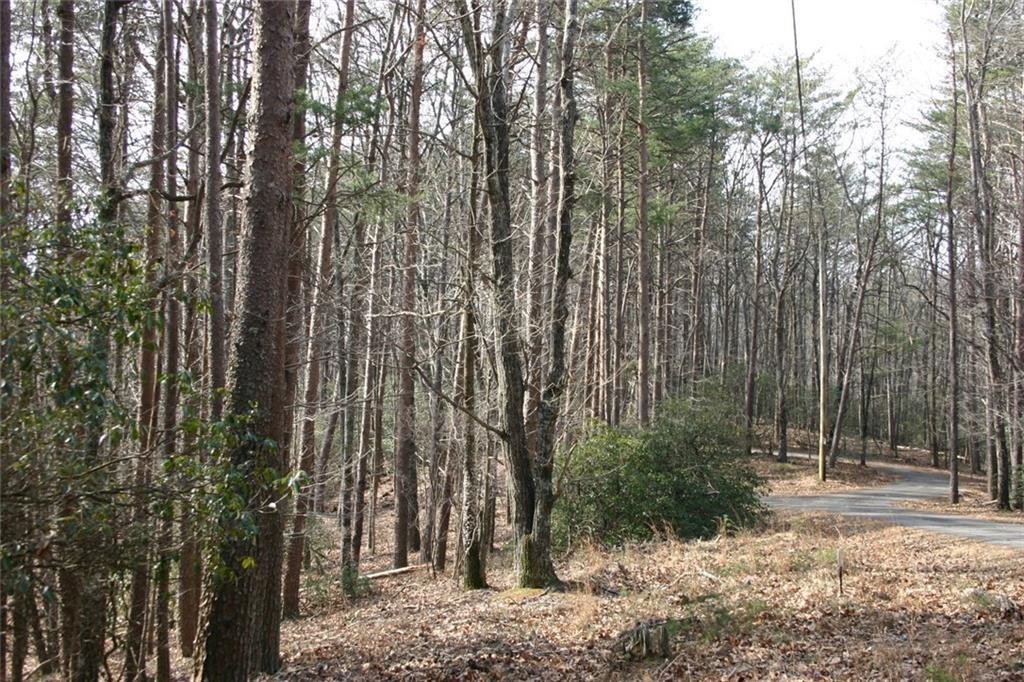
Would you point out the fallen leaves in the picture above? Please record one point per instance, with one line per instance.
(772, 611)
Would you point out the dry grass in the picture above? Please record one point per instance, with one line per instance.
(761, 605)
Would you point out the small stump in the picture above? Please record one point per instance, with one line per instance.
(648, 639)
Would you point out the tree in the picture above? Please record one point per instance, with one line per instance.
(321, 291)
(135, 659)
(954, 359)
(247, 564)
(644, 277)
(532, 483)
(405, 425)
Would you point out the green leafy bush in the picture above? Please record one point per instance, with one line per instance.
(685, 474)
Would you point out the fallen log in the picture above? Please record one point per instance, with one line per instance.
(394, 571)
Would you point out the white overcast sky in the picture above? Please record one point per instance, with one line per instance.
(843, 35)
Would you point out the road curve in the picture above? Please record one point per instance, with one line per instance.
(880, 504)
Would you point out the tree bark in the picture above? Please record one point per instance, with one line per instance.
(135, 650)
(954, 359)
(321, 289)
(644, 276)
(405, 427)
(214, 235)
(750, 401)
(474, 574)
(240, 589)
(862, 288)
(5, 121)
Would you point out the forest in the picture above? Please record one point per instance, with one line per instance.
(473, 339)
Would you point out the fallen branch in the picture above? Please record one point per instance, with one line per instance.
(394, 571)
(709, 575)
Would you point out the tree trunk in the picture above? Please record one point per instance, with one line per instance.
(239, 591)
(135, 651)
(214, 236)
(755, 305)
(984, 223)
(172, 324)
(405, 427)
(474, 574)
(369, 432)
(5, 122)
(644, 276)
(862, 287)
(534, 550)
(321, 289)
(538, 220)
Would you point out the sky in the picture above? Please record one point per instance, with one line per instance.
(846, 36)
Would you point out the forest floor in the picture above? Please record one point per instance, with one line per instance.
(764, 604)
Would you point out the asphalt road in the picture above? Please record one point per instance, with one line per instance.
(912, 484)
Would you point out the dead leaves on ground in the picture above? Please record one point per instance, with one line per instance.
(761, 605)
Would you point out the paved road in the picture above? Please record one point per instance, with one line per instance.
(912, 484)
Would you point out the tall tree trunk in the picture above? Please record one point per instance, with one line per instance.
(474, 574)
(535, 549)
(822, 271)
(214, 236)
(984, 223)
(953, 365)
(71, 581)
(437, 450)
(618, 380)
(492, 113)
(172, 323)
(1017, 493)
(644, 275)
(530, 479)
(750, 400)
(365, 344)
(932, 361)
(311, 398)
(405, 427)
(5, 122)
(240, 589)
(607, 369)
(538, 220)
(862, 287)
(135, 650)
(698, 352)
(321, 289)
(189, 568)
(369, 432)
